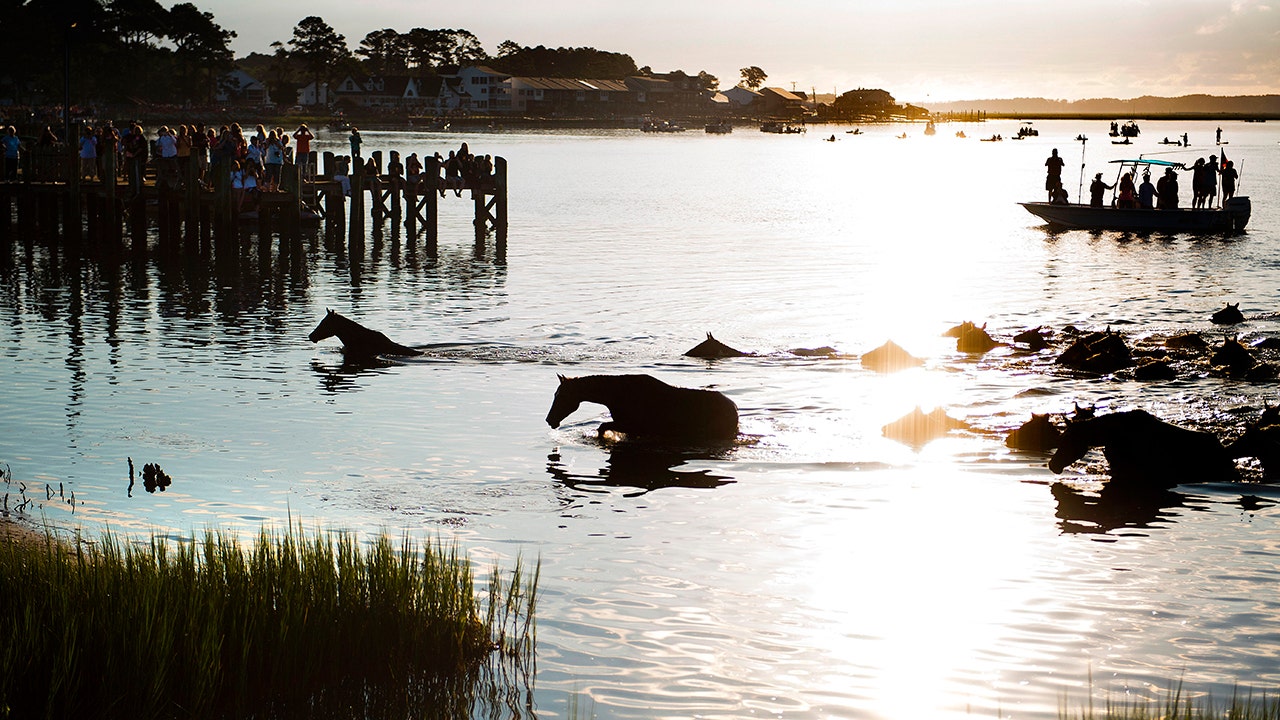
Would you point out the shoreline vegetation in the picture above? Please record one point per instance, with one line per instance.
(316, 623)
(1177, 705)
(311, 624)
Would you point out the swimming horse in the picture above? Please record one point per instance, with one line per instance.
(357, 340)
(643, 405)
(1144, 451)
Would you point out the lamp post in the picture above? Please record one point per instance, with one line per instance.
(66, 84)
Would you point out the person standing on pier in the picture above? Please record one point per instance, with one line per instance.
(135, 156)
(88, 154)
(273, 160)
(167, 160)
(303, 153)
(12, 148)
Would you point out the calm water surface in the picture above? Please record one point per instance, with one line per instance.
(817, 569)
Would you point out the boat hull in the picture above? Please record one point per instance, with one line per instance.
(1231, 217)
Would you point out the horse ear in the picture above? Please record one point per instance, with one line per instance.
(709, 337)
(562, 378)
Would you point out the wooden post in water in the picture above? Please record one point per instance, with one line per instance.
(411, 202)
(433, 184)
(110, 215)
(357, 189)
(500, 202)
(291, 181)
(191, 197)
(71, 222)
(375, 199)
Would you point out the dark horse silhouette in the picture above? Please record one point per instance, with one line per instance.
(1145, 451)
(357, 340)
(645, 406)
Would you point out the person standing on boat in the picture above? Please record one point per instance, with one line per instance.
(1167, 190)
(1229, 176)
(1146, 192)
(1097, 189)
(1199, 188)
(1211, 181)
(1053, 173)
(1219, 137)
(1128, 197)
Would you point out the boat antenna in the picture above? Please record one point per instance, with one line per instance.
(1080, 187)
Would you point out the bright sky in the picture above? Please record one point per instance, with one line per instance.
(918, 50)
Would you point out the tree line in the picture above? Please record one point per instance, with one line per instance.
(140, 52)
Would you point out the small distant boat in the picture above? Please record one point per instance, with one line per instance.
(1167, 141)
(1233, 216)
(660, 126)
(724, 127)
(930, 129)
(993, 138)
(1026, 131)
(960, 134)
(1128, 130)
(1126, 141)
(781, 128)
(855, 131)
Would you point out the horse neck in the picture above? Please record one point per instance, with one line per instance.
(601, 389)
(344, 327)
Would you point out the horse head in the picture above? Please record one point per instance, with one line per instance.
(326, 327)
(1233, 354)
(566, 401)
(1039, 434)
(1229, 315)
(1072, 446)
(712, 349)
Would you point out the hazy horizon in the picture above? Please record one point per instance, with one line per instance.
(919, 50)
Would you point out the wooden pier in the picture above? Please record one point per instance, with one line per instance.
(51, 198)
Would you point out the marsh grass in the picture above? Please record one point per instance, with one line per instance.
(295, 622)
(1180, 705)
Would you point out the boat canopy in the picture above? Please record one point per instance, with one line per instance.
(1145, 161)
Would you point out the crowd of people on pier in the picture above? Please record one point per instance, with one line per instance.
(179, 154)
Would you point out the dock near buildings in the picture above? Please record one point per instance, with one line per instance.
(50, 198)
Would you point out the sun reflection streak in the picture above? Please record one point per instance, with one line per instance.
(941, 595)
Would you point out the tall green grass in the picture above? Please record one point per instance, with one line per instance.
(316, 625)
(1180, 705)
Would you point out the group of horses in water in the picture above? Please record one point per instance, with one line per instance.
(1143, 452)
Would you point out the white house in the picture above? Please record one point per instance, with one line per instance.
(741, 96)
(308, 95)
(240, 88)
(484, 88)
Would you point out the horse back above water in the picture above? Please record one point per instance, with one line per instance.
(642, 405)
(1146, 451)
(357, 340)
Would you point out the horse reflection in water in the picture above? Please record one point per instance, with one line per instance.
(1146, 452)
(358, 341)
(644, 406)
(1114, 507)
(643, 466)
